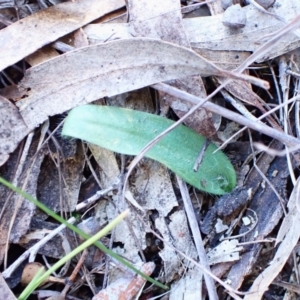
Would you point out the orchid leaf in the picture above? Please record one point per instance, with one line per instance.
(128, 131)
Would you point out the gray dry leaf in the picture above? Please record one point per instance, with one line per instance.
(175, 232)
(208, 34)
(61, 195)
(153, 188)
(163, 20)
(46, 26)
(103, 70)
(223, 46)
(12, 129)
(127, 286)
(288, 235)
(25, 209)
(189, 287)
(224, 252)
(108, 164)
(5, 291)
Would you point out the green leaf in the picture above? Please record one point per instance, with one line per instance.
(128, 131)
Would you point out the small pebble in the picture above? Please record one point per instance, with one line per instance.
(234, 17)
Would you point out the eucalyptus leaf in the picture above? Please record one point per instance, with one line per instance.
(128, 131)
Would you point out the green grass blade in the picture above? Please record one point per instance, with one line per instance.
(37, 280)
(79, 232)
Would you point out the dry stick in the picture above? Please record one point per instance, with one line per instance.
(277, 92)
(238, 105)
(286, 129)
(94, 198)
(265, 178)
(33, 250)
(285, 91)
(72, 277)
(262, 147)
(284, 138)
(294, 148)
(289, 72)
(20, 200)
(200, 156)
(210, 284)
(297, 108)
(91, 166)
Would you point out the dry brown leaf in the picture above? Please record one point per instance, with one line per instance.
(90, 73)
(48, 25)
(125, 288)
(41, 55)
(80, 39)
(288, 235)
(12, 129)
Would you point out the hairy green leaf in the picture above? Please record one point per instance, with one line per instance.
(128, 131)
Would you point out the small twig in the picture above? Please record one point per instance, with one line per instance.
(91, 167)
(19, 200)
(290, 72)
(63, 47)
(260, 127)
(94, 198)
(75, 272)
(287, 285)
(270, 240)
(297, 109)
(265, 178)
(233, 225)
(238, 105)
(278, 93)
(211, 287)
(285, 83)
(34, 249)
(274, 152)
(296, 147)
(200, 156)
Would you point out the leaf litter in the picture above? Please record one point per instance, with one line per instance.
(154, 45)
